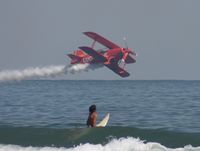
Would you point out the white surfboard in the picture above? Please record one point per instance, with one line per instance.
(104, 122)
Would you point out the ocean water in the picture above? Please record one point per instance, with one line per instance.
(144, 115)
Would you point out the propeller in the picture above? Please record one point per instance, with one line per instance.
(125, 42)
(126, 51)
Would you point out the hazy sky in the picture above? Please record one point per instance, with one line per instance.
(164, 33)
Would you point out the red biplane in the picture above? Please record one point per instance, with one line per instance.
(114, 57)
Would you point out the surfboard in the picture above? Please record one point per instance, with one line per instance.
(104, 121)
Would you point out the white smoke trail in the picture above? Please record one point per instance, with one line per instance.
(9, 75)
(76, 68)
(82, 67)
(39, 72)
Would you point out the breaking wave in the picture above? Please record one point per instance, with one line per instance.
(121, 144)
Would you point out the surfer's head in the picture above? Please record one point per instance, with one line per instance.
(92, 108)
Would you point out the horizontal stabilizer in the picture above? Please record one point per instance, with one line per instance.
(75, 59)
(72, 56)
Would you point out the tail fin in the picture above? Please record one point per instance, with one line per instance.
(79, 53)
(75, 59)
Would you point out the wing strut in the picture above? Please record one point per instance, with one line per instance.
(93, 43)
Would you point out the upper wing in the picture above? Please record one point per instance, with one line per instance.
(101, 40)
(94, 54)
(115, 68)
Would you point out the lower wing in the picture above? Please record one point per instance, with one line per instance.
(94, 54)
(115, 68)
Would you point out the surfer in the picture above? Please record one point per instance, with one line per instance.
(91, 121)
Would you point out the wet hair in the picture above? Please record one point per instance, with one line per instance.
(92, 108)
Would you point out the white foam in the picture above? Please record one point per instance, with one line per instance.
(122, 144)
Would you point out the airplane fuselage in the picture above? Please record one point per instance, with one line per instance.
(111, 55)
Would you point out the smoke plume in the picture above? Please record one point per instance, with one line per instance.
(39, 72)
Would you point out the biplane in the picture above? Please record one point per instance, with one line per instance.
(114, 57)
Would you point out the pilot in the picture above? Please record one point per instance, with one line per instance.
(91, 121)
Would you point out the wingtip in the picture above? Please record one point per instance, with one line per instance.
(84, 47)
(81, 47)
(124, 74)
(89, 32)
(85, 32)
